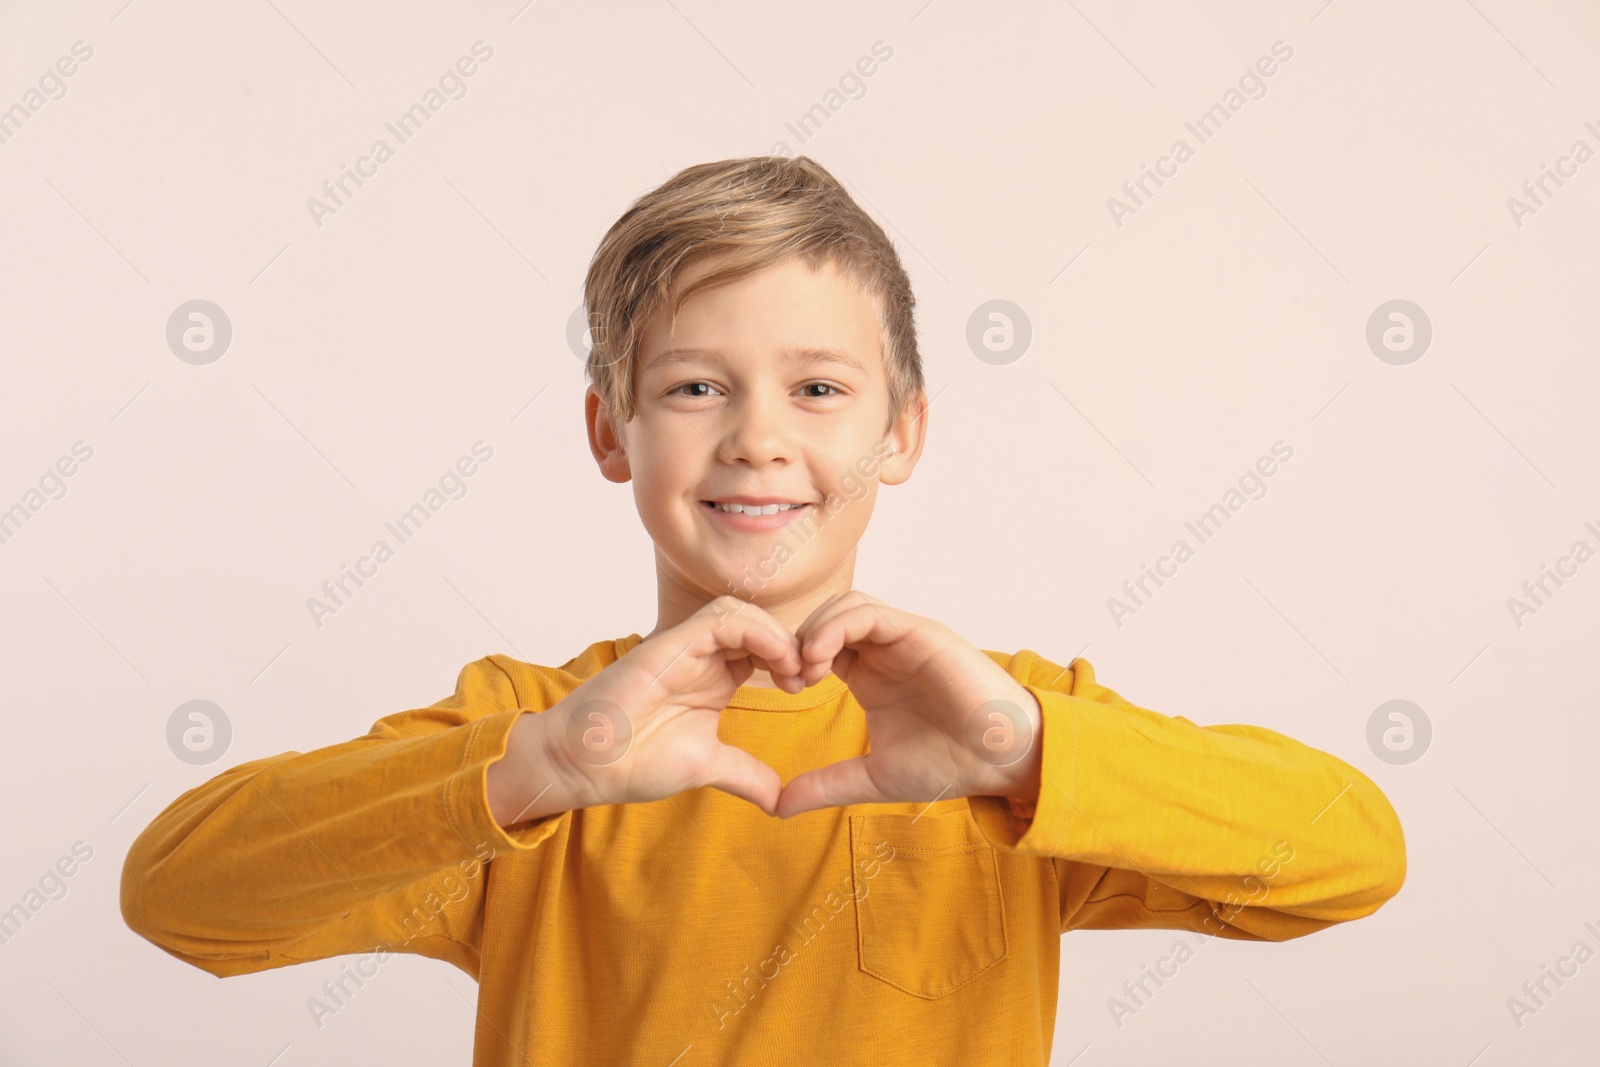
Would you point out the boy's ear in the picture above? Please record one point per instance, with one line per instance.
(604, 441)
(907, 435)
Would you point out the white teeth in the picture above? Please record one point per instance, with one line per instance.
(752, 509)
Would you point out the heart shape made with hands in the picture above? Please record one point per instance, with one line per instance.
(944, 719)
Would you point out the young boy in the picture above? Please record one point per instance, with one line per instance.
(792, 823)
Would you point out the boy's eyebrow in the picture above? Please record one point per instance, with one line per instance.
(790, 355)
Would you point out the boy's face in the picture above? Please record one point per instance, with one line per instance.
(730, 406)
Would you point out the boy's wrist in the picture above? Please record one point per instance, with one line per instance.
(1024, 781)
(1024, 778)
(570, 783)
(533, 779)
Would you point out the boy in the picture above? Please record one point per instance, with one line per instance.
(792, 823)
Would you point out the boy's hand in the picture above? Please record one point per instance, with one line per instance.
(943, 719)
(645, 728)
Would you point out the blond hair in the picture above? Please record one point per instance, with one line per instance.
(760, 210)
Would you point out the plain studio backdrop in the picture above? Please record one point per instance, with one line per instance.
(1361, 258)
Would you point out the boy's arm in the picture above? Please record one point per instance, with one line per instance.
(1152, 821)
(381, 842)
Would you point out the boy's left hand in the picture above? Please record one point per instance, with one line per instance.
(943, 719)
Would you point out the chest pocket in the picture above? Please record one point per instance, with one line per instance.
(930, 916)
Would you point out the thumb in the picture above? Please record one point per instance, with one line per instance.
(836, 785)
(735, 771)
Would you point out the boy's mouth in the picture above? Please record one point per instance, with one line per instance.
(754, 507)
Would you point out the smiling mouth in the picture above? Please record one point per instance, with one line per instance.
(734, 508)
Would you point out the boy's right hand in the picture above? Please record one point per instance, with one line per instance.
(645, 728)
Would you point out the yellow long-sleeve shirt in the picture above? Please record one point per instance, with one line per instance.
(699, 930)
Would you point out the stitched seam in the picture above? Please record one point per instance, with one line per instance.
(948, 850)
(466, 757)
(1153, 911)
(936, 996)
(515, 692)
(864, 918)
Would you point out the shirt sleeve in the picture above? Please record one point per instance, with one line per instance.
(1151, 821)
(380, 843)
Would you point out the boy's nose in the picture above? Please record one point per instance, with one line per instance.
(759, 433)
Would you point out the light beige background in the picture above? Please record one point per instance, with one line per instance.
(1168, 354)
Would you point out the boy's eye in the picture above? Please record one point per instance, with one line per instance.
(678, 390)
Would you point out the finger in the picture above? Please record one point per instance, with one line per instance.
(822, 609)
(827, 610)
(836, 785)
(735, 625)
(737, 772)
(841, 664)
(814, 671)
(787, 682)
(861, 623)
